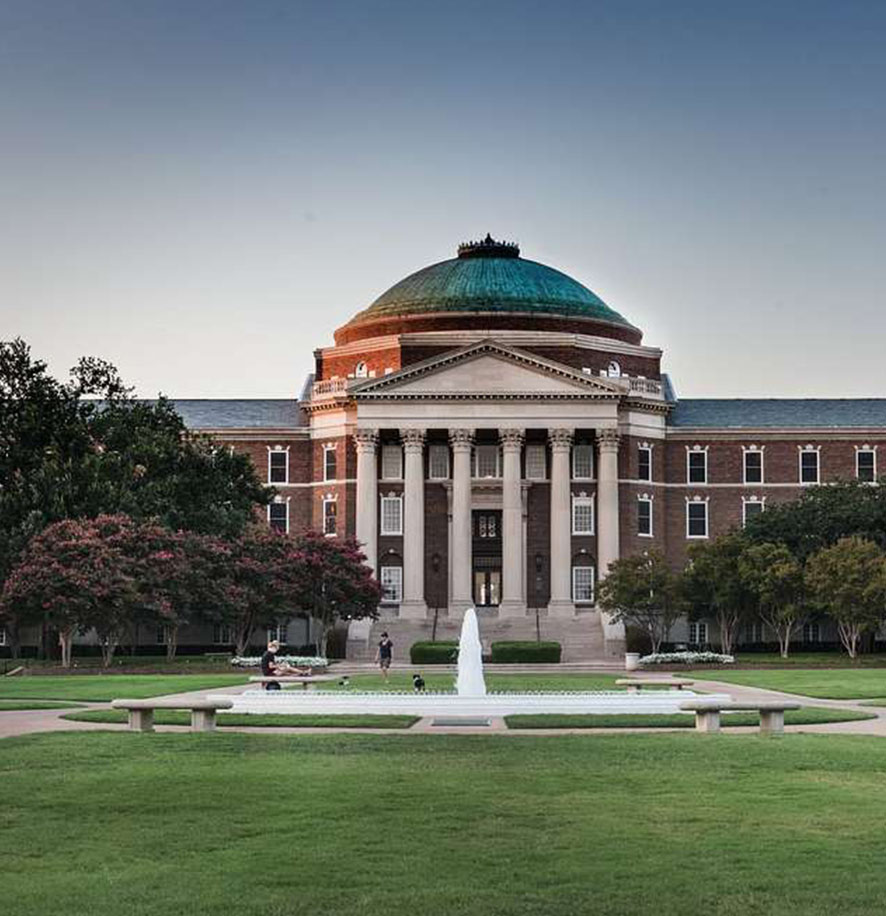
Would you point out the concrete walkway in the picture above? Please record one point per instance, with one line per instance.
(22, 722)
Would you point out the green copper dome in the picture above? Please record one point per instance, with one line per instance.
(490, 276)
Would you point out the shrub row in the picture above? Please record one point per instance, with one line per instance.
(525, 652)
(434, 653)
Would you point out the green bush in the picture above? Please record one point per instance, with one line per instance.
(526, 651)
(434, 653)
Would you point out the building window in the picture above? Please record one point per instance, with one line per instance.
(330, 510)
(644, 462)
(582, 514)
(698, 633)
(866, 465)
(487, 525)
(697, 466)
(278, 633)
(392, 583)
(697, 519)
(582, 462)
(392, 515)
(755, 632)
(536, 462)
(750, 508)
(160, 636)
(278, 516)
(221, 635)
(644, 517)
(330, 463)
(4, 636)
(753, 466)
(613, 370)
(438, 462)
(809, 465)
(486, 461)
(361, 370)
(391, 462)
(811, 632)
(583, 584)
(278, 466)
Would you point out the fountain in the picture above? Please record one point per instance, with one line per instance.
(470, 698)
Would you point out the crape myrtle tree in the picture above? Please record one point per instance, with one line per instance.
(848, 582)
(775, 578)
(644, 592)
(713, 585)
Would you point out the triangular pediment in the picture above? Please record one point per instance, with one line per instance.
(488, 370)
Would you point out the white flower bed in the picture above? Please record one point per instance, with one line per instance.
(687, 658)
(297, 661)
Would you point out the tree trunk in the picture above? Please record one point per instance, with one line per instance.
(324, 640)
(109, 645)
(849, 635)
(65, 641)
(655, 638)
(784, 639)
(15, 639)
(171, 635)
(728, 624)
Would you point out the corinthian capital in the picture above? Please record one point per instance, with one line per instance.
(607, 440)
(366, 439)
(461, 439)
(560, 439)
(511, 438)
(413, 439)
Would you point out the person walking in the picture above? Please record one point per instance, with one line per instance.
(384, 654)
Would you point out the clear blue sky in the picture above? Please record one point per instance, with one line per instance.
(202, 191)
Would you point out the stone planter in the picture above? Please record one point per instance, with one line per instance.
(632, 661)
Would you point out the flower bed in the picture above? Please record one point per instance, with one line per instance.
(687, 658)
(297, 661)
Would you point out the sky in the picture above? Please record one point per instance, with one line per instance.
(201, 192)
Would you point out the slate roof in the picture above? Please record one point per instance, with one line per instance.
(205, 413)
(825, 413)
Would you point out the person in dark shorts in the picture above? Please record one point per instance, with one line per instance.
(385, 654)
(269, 665)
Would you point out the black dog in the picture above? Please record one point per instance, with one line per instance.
(418, 683)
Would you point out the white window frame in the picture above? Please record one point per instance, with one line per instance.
(696, 450)
(4, 636)
(279, 450)
(278, 633)
(756, 630)
(361, 370)
(811, 627)
(707, 519)
(809, 450)
(865, 450)
(391, 576)
(576, 570)
(329, 447)
(751, 501)
(160, 636)
(589, 449)
(648, 449)
(388, 450)
(279, 502)
(219, 632)
(441, 451)
(487, 449)
(646, 498)
(582, 501)
(391, 499)
(327, 500)
(533, 466)
(700, 629)
(753, 450)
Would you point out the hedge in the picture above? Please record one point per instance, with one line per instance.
(525, 651)
(434, 653)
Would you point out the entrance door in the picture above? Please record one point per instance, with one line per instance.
(487, 557)
(487, 587)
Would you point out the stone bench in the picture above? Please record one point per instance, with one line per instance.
(707, 714)
(635, 685)
(141, 712)
(304, 679)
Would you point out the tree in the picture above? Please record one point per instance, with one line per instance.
(770, 572)
(643, 591)
(713, 584)
(334, 582)
(848, 582)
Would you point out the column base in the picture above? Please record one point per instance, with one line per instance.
(413, 610)
(512, 607)
(561, 607)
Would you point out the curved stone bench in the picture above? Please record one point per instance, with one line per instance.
(141, 712)
(635, 685)
(707, 714)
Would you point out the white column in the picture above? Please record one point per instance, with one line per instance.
(561, 604)
(607, 526)
(513, 548)
(413, 603)
(460, 556)
(366, 441)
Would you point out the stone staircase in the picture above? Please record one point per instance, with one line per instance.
(580, 636)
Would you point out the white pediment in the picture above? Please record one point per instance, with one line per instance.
(485, 371)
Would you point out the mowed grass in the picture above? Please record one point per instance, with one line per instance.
(808, 715)
(105, 687)
(264, 720)
(811, 659)
(113, 823)
(830, 684)
(12, 705)
(445, 680)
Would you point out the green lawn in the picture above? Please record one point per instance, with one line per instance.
(269, 720)
(810, 660)
(445, 680)
(10, 705)
(808, 715)
(105, 687)
(831, 684)
(346, 825)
